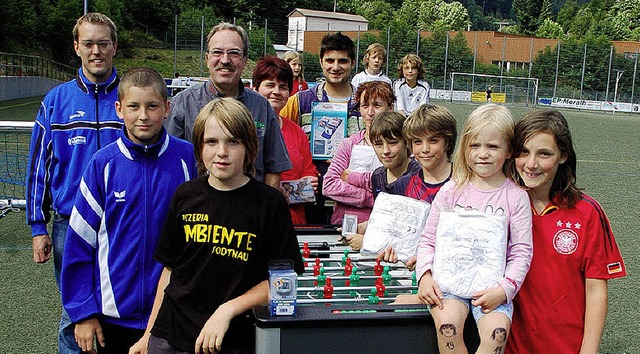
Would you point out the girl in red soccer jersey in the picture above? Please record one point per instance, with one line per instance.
(562, 305)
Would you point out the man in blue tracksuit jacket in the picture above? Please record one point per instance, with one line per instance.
(75, 120)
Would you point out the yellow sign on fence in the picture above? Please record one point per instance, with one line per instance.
(496, 97)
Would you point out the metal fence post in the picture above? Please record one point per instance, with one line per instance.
(504, 44)
(388, 48)
(175, 46)
(265, 38)
(358, 50)
(201, 44)
(475, 56)
(606, 95)
(446, 56)
(555, 81)
(584, 64)
(633, 82)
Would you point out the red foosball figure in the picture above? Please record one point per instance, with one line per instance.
(328, 289)
(306, 251)
(348, 268)
(377, 269)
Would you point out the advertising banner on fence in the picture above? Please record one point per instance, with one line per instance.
(589, 105)
(617, 106)
(573, 103)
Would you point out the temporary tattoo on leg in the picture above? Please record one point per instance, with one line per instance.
(448, 330)
(499, 335)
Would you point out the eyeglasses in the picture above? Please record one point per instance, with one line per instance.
(102, 45)
(231, 53)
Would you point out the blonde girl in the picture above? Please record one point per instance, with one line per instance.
(476, 276)
(296, 60)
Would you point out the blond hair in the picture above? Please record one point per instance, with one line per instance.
(486, 115)
(413, 60)
(432, 120)
(373, 49)
(237, 120)
(97, 19)
(142, 77)
(289, 56)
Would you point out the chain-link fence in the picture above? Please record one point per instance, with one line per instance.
(584, 69)
(578, 70)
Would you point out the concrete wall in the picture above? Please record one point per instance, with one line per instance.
(25, 86)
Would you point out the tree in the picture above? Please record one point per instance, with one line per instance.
(58, 18)
(379, 13)
(432, 50)
(567, 13)
(434, 15)
(136, 15)
(453, 17)
(19, 24)
(625, 18)
(528, 15)
(549, 29)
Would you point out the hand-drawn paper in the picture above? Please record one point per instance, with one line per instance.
(328, 128)
(349, 224)
(396, 221)
(298, 191)
(470, 251)
(363, 159)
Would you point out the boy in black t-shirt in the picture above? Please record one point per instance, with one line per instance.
(220, 234)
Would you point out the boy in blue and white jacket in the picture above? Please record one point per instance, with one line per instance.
(109, 277)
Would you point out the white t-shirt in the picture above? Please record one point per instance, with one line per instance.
(363, 76)
(409, 99)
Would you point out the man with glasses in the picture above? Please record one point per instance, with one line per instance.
(75, 120)
(227, 54)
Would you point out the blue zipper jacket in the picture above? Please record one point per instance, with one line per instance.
(75, 120)
(108, 269)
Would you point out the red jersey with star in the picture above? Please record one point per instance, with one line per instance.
(569, 245)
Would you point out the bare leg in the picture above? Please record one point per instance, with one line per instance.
(449, 326)
(494, 329)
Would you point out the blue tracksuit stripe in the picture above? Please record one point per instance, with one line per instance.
(107, 298)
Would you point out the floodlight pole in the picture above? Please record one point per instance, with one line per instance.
(618, 74)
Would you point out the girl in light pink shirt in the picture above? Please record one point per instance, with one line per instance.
(476, 248)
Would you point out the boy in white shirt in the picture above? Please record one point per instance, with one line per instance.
(410, 89)
(373, 60)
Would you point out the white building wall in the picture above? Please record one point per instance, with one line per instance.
(323, 24)
(297, 26)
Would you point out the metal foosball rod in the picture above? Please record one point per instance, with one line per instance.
(320, 244)
(316, 289)
(357, 300)
(362, 277)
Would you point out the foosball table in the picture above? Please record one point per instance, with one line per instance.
(344, 304)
